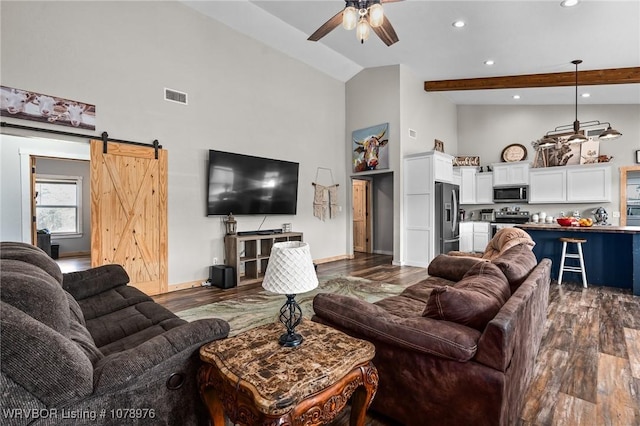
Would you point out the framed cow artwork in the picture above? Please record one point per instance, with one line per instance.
(34, 106)
(370, 150)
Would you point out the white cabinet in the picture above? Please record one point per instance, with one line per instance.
(420, 172)
(481, 234)
(516, 173)
(442, 167)
(467, 185)
(466, 236)
(585, 183)
(484, 188)
(548, 185)
(474, 236)
(589, 183)
(475, 187)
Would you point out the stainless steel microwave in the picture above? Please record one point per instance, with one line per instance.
(511, 194)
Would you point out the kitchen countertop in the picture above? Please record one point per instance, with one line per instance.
(594, 228)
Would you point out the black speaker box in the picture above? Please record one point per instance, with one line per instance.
(222, 276)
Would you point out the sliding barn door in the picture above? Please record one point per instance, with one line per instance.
(129, 212)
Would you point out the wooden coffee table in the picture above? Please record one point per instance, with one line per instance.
(255, 381)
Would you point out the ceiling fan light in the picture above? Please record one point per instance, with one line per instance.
(376, 15)
(610, 134)
(362, 30)
(349, 18)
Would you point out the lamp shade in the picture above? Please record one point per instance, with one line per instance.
(349, 18)
(610, 134)
(290, 269)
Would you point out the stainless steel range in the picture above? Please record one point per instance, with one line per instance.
(507, 218)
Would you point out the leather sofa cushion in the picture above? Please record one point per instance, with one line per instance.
(474, 300)
(452, 268)
(516, 264)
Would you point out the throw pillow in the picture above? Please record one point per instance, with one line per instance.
(452, 268)
(516, 264)
(473, 301)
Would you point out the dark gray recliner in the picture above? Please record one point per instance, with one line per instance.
(86, 348)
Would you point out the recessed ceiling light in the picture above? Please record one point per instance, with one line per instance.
(458, 24)
(489, 62)
(586, 95)
(516, 96)
(568, 3)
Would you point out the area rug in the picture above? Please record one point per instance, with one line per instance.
(250, 311)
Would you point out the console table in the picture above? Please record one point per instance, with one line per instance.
(255, 381)
(251, 253)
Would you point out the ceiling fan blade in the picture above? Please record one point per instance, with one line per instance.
(327, 27)
(386, 32)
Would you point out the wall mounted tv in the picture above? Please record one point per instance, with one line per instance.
(244, 185)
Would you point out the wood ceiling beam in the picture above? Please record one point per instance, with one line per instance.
(585, 78)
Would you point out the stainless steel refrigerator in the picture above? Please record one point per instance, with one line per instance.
(447, 229)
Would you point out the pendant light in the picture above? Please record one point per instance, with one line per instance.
(577, 136)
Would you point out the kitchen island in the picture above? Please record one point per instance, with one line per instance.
(611, 253)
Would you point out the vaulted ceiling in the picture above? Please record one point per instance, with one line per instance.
(521, 37)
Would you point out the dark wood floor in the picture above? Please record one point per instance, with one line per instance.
(588, 367)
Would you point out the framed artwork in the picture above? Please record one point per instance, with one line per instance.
(33, 106)
(370, 150)
(438, 145)
(564, 153)
(589, 151)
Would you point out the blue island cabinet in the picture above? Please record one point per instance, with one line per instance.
(611, 253)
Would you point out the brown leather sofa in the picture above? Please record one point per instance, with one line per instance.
(457, 348)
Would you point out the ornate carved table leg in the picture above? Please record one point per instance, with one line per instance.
(363, 395)
(210, 396)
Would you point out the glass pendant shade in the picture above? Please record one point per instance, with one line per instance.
(376, 15)
(362, 30)
(349, 18)
(610, 134)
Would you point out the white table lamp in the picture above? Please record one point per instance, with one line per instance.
(290, 271)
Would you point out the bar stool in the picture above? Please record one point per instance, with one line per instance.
(578, 242)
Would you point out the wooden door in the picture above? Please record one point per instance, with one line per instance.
(129, 212)
(361, 216)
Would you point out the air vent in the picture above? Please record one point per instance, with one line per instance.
(175, 96)
(413, 134)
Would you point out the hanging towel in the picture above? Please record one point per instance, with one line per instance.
(325, 200)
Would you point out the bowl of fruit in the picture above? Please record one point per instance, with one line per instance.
(567, 221)
(585, 221)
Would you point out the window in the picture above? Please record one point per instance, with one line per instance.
(59, 204)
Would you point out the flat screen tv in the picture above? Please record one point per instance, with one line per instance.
(246, 185)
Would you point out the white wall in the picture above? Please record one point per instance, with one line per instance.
(486, 130)
(243, 97)
(373, 97)
(395, 95)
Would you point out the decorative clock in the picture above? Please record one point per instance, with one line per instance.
(514, 152)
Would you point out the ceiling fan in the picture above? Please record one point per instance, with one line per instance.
(363, 15)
